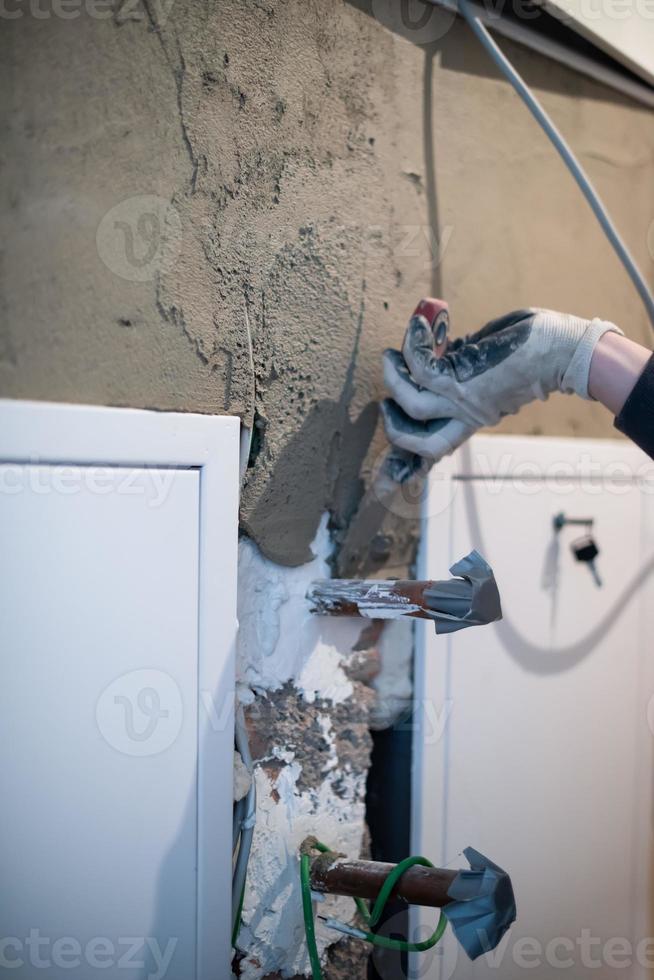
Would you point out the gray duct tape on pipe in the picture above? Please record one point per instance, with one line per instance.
(472, 599)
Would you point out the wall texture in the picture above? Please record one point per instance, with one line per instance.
(297, 161)
(176, 172)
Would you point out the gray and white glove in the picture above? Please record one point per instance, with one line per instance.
(438, 402)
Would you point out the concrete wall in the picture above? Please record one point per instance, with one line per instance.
(172, 169)
(306, 164)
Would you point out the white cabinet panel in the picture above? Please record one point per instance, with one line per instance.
(545, 759)
(105, 860)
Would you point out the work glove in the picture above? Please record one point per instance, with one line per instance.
(438, 402)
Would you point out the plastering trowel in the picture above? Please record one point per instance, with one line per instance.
(397, 469)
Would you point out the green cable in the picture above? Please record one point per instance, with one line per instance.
(390, 883)
(307, 908)
(362, 909)
(237, 921)
(405, 947)
(370, 918)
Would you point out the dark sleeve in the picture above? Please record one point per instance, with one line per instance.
(636, 419)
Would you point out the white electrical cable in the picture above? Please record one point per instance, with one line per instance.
(248, 822)
(245, 811)
(564, 151)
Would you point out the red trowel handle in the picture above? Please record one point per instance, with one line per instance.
(437, 314)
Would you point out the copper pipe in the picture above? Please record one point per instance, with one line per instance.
(376, 598)
(469, 599)
(334, 874)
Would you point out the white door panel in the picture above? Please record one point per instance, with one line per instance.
(545, 763)
(105, 863)
(93, 587)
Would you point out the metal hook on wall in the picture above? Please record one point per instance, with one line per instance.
(584, 549)
(560, 521)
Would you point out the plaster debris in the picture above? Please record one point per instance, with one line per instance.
(283, 755)
(273, 930)
(327, 729)
(279, 639)
(285, 720)
(323, 677)
(310, 741)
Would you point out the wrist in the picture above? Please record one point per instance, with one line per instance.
(615, 367)
(576, 378)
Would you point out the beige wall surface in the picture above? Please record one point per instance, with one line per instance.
(169, 167)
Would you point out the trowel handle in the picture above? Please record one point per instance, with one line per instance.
(437, 314)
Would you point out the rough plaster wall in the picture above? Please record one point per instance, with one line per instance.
(321, 172)
(324, 173)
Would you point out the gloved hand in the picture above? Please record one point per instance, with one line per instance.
(437, 403)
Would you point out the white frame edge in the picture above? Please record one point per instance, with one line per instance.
(640, 91)
(47, 432)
